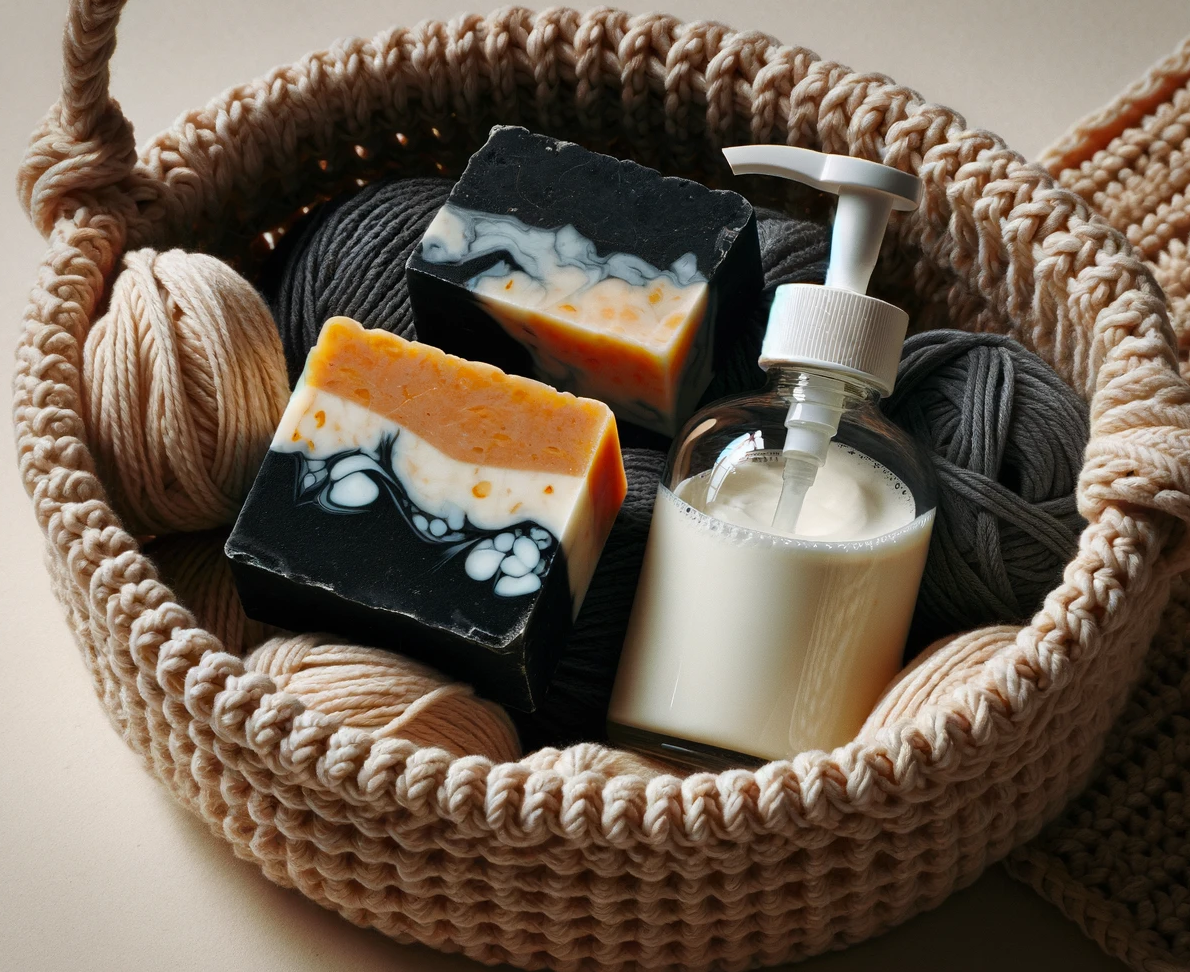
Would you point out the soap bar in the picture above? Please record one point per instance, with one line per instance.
(430, 505)
(599, 276)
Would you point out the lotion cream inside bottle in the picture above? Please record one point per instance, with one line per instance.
(791, 525)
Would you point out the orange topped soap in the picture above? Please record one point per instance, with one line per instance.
(459, 511)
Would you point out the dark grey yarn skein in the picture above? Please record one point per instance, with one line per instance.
(791, 251)
(1007, 437)
(350, 260)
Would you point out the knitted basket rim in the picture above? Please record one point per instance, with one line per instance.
(985, 760)
(1101, 127)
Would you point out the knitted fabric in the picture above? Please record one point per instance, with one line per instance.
(1131, 162)
(1116, 860)
(573, 859)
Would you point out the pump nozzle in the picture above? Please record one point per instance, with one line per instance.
(835, 331)
(867, 191)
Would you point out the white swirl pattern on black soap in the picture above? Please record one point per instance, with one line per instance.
(540, 253)
(513, 559)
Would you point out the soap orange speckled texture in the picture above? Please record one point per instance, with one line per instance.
(433, 505)
(469, 409)
(597, 275)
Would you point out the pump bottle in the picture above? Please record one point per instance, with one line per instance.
(791, 526)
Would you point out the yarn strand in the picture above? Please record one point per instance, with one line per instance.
(387, 694)
(350, 259)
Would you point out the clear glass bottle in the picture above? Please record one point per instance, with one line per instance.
(791, 527)
(747, 645)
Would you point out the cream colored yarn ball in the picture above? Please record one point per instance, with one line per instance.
(183, 384)
(199, 573)
(394, 697)
(939, 670)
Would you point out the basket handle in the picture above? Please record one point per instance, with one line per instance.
(84, 145)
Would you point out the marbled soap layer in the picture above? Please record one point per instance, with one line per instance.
(605, 275)
(611, 327)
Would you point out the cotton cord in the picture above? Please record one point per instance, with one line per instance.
(1007, 437)
(386, 693)
(199, 573)
(350, 259)
(183, 385)
(1115, 859)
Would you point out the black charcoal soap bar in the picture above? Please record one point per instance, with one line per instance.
(596, 275)
(434, 506)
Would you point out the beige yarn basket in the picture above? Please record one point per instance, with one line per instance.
(559, 861)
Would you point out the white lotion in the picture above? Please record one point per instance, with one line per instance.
(853, 497)
(781, 644)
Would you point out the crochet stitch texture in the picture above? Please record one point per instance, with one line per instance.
(1117, 861)
(562, 860)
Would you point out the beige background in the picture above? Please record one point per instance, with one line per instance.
(98, 868)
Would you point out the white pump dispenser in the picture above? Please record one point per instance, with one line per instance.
(834, 331)
(792, 521)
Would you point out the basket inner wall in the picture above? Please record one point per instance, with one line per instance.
(251, 209)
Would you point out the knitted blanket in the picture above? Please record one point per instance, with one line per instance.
(1117, 861)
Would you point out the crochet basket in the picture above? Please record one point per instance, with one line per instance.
(558, 860)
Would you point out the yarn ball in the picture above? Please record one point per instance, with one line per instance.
(575, 706)
(350, 259)
(386, 693)
(583, 758)
(195, 568)
(183, 385)
(939, 670)
(1007, 437)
